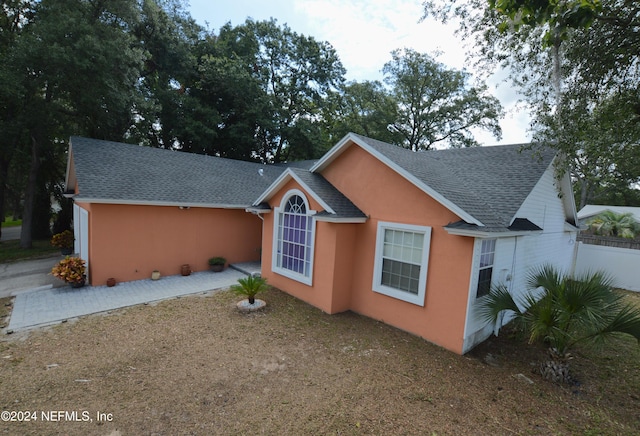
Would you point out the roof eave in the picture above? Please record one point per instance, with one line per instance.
(343, 220)
(484, 234)
(159, 203)
(70, 179)
(257, 210)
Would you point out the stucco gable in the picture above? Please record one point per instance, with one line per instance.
(336, 206)
(485, 186)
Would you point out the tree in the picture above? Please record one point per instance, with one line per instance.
(296, 73)
(603, 138)
(169, 116)
(558, 16)
(14, 15)
(436, 104)
(74, 68)
(575, 63)
(366, 108)
(567, 311)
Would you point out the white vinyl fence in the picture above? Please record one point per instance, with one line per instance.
(622, 264)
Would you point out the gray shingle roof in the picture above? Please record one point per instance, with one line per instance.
(489, 183)
(341, 205)
(124, 173)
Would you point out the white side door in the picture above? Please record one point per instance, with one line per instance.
(81, 234)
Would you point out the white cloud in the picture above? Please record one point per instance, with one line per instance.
(364, 32)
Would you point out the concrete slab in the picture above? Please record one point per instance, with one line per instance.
(249, 268)
(49, 306)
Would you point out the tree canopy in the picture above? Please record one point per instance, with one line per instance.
(436, 104)
(576, 64)
(143, 71)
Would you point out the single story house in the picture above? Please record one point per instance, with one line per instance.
(592, 210)
(414, 240)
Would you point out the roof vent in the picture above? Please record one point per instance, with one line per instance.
(261, 172)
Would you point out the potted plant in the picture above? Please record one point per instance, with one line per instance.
(216, 264)
(249, 287)
(70, 270)
(64, 241)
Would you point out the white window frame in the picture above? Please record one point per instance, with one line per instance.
(492, 254)
(417, 299)
(278, 211)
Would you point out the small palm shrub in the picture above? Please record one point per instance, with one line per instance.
(562, 311)
(608, 223)
(249, 287)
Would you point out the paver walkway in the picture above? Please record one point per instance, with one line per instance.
(49, 306)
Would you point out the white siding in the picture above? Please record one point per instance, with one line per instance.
(516, 256)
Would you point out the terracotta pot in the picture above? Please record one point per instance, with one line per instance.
(111, 282)
(185, 270)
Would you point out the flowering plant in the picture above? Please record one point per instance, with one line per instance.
(63, 239)
(70, 270)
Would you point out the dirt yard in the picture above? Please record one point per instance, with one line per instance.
(196, 366)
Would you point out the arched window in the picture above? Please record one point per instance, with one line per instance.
(294, 237)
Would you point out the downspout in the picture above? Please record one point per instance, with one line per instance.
(511, 280)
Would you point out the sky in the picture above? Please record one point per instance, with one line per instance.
(363, 33)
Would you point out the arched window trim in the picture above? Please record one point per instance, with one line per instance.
(297, 266)
(290, 193)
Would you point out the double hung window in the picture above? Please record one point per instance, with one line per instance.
(402, 255)
(485, 270)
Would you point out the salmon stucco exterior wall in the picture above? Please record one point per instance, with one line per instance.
(345, 253)
(128, 242)
(330, 289)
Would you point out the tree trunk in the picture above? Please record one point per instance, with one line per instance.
(556, 369)
(4, 169)
(27, 214)
(584, 193)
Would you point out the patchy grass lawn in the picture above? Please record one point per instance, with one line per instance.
(10, 251)
(197, 366)
(8, 222)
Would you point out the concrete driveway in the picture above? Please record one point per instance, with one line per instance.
(10, 233)
(17, 277)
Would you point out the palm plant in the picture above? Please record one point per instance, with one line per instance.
(562, 311)
(608, 223)
(249, 287)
